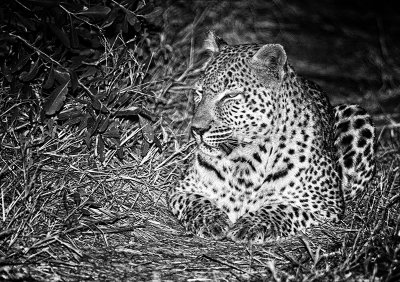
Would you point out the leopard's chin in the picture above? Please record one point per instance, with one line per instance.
(210, 150)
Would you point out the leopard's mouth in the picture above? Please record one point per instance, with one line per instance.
(225, 146)
(197, 137)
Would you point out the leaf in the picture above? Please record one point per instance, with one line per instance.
(99, 106)
(50, 79)
(61, 35)
(61, 76)
(120, 153)
(131, 18)
(96, 12)
(26, 22)
(113, 143)
(77, 198)
(112, 98)
(111, 17)
(45, 3)
(145, 148)
(74, 35)
(6, 72)
(125, 27)
(132, 111)
(154, 15)
(101, 95)
(26, 92)
(158, 143)
(137, 26)
(70, 113)
(149, 115)
(147, 130)
(133, 21)
(100, 148)
(73, 121)
(74, 80)
(88, 138)
(104, 125)
(123, 99)
(140, 5)
(56, 99)
(23, 59)
(90, 72)
(93, 205)
(83, 123)
(16, 86)
(112, 132)
(93, 125)
(76, 62)
(28, 76)
(85, 212)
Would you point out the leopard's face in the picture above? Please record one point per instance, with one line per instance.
(233, 103)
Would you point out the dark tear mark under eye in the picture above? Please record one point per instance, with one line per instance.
(226, 81)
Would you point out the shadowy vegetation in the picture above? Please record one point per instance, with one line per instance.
(82, 63)
(95, 99)
(76, 97)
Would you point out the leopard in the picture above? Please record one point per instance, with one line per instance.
(273, 157)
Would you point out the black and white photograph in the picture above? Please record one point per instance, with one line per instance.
(191, 140)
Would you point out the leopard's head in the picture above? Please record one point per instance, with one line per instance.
(236, 98)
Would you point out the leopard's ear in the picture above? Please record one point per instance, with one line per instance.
(213, 43)
(269, 62)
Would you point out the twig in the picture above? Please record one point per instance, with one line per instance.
(293, 261)
(78, 18)
(225, 263)
(37, 50)
(6, 233)
(70, 247)
(184, 148)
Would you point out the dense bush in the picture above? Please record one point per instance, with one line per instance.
(78, 63)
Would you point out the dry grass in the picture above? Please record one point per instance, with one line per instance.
(69, 214)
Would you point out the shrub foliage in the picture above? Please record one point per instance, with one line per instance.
(80, 63)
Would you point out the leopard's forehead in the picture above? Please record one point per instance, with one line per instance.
(228, 52)
(229, 66)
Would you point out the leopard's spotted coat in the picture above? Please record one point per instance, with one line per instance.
(273, 156)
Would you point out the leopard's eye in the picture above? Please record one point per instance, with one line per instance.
(198, 95)
(234, 94)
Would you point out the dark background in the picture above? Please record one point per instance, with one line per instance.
(350, 48)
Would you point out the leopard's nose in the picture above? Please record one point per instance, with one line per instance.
(201, 122)
(199, 130)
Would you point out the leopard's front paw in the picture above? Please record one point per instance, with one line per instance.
(246, 231)
(210, 225)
